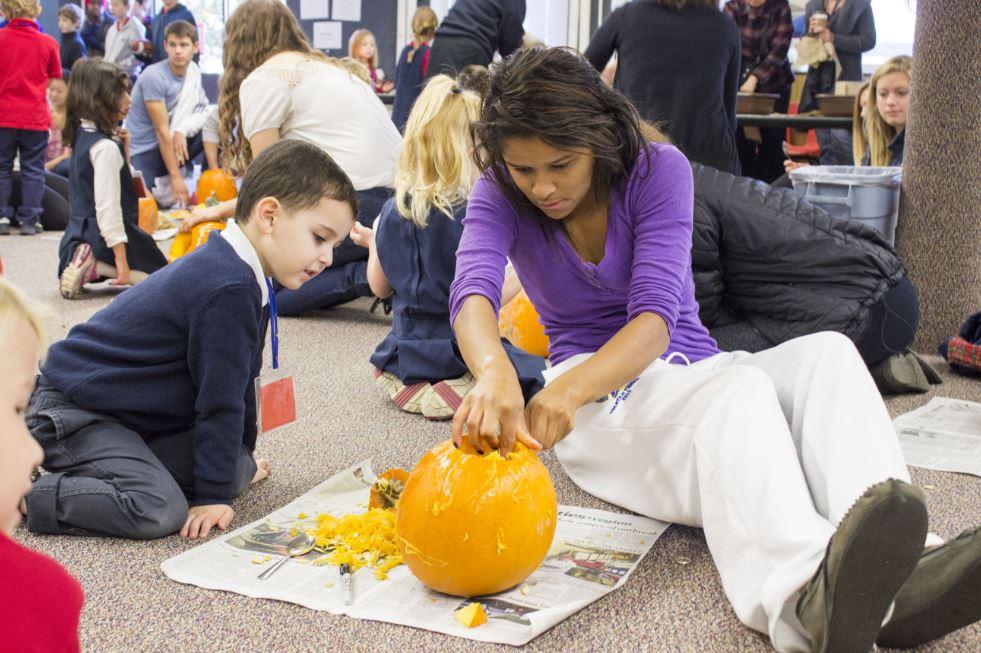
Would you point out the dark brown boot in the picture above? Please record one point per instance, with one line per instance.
(869, 557)
(942, 595)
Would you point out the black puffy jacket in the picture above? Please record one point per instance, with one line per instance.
(770, 266)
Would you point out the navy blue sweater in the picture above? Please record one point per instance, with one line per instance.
(179, 351)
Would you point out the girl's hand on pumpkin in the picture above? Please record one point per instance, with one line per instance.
(491, 415)
(198, 215)
(551, 414)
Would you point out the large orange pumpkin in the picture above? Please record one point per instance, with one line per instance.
(519, 323)
(472, 525)
(149, 215)
(217, 183)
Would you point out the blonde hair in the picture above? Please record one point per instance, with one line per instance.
(14, 307)
(860, 141)
(13, 9)
(880, 132)
(424, 22)
(256, 31)
(355, 42)
(435, 169)
(356, 68)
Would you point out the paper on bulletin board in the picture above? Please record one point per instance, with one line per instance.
(347, 10)
(311, 9)
(327, 35)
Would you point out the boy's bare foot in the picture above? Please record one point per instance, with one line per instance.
(262, 470)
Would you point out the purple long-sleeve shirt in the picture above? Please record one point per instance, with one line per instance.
(646, 266)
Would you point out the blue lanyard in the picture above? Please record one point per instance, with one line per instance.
(273, 325)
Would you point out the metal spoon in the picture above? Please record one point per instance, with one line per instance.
(299, 545)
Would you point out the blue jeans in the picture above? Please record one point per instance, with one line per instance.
(347, 277)
(30, 144)
(151, 163)
(107, 479)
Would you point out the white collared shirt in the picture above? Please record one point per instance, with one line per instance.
(246, 251)
(107, 161)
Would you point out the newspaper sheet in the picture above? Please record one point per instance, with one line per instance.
(592, 554)
(944, 435)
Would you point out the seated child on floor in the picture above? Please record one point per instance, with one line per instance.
(147, 412)
(103, 238)
(39, 601)
(412, 257)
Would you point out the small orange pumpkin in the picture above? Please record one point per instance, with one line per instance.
(472, 525)
(386, 490)
(149, 215)
(217, 183)
(519, 323)
(185, 243)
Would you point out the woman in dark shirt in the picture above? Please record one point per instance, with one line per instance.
(472, 31)
(851, 29)
(765, 28)
(678, 63)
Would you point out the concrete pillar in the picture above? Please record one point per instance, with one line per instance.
(940, 218)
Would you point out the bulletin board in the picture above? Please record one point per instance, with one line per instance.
(331, 23)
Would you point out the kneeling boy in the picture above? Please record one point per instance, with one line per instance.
(149, 407)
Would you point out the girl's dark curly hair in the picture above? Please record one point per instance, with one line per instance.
(94, 93)
(556, 95)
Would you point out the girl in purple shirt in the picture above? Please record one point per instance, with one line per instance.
(786, 458)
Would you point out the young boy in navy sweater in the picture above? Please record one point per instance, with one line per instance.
(149, 407)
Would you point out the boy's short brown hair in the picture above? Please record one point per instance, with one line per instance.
(298, 174)
(182, 30)
(20, 8)
(72, 12)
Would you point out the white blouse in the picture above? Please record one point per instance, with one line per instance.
(107, 161)
(322, 104)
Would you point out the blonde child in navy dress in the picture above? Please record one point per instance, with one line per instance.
(412, 258)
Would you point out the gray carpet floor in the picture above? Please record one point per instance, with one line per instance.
(674, 602)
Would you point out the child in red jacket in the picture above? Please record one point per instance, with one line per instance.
(29, 60)
(39, 601)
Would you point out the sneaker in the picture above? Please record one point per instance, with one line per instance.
(942, 595)
(446, 397)
(406, 397)
(80, 271)
(4, 226)
(30, 228)
(870, 556)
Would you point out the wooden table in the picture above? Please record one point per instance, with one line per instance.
(795, 122)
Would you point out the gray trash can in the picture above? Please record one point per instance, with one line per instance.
(853, 193)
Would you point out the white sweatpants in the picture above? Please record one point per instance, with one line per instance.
(766, 452)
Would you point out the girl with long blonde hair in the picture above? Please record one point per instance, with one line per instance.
(412, 257)
(363, 48)
(887, 112)
(276, 87)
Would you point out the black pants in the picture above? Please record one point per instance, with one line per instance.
(347, 277)
(451, 54)
(892, 323)
(55, 209)
(764, 160)
(107, 479)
